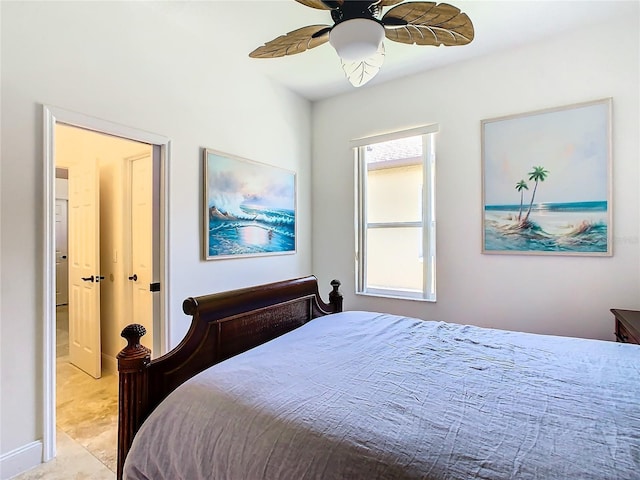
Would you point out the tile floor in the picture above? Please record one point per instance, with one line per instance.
(86, 418)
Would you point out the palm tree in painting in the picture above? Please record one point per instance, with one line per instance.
(538, 174)
(520, 186)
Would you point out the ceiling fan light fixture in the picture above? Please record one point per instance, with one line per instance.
(359, 28)
(356, 39)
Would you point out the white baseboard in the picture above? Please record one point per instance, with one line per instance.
(20, 460)
(109, 365)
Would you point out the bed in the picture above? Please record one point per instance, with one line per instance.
(270, 382)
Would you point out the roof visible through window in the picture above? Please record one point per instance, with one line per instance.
(401, 148)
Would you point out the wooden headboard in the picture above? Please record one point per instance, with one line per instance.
(223, 325)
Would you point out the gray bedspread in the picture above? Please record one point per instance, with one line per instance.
(362, 395)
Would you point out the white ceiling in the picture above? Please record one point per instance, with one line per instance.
(240, 26)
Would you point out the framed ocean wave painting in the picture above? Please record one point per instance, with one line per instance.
(249, 208)
(546, 181)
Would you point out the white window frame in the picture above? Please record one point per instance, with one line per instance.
(428, 221)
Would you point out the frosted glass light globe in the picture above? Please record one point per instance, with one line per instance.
(357, 39)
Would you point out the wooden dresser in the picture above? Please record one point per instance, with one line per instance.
(627, 325)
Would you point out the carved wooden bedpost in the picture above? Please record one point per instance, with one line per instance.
(335, 297)
(132, 365)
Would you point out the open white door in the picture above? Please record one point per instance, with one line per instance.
(141, 270)
(84, 267)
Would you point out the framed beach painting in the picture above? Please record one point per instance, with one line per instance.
(546, 182)
(249, 208)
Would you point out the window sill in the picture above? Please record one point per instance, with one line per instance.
(395, 296)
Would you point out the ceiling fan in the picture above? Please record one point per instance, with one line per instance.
(359, 28)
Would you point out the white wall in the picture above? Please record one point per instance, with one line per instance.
(135, 64)
(546, 294)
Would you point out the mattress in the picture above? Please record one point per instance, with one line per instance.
(364, 395)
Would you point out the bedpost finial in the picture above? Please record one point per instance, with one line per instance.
(335, 297)
(132, 334)
(134, 356)
(336, 285)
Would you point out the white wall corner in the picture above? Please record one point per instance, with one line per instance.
(20, 460)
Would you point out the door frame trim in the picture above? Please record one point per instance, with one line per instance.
(51, 116)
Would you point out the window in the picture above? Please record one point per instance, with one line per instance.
(395, 212)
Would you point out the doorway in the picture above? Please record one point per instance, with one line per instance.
(108, 272)
(109, 243)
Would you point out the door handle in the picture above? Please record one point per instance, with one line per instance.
(99, 277)
(134, 277)
(87, 279)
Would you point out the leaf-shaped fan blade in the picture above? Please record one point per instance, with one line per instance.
(359, 73)
(386, 3)
(428, 24)
(294, 42)
(319, 4)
